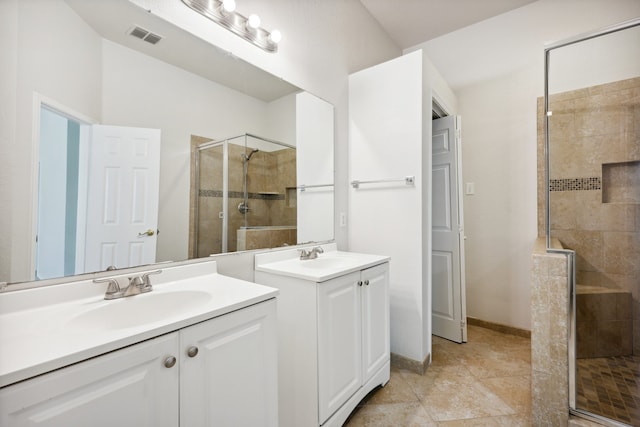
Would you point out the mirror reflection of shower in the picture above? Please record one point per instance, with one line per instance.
(227, 174)
(243, 207)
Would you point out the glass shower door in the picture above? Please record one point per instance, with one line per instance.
(593, 136)
(210, 229)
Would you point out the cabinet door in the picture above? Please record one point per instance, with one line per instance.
(128, 387)
(232, 380)
(339, 342)
(375, 319)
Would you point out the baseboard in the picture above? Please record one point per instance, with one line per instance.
(415, 366)
(505, 329)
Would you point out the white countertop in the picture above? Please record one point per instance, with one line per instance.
(328, 265)
(38, 337)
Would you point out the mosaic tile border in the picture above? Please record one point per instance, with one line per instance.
(240, 195)
(576, 184)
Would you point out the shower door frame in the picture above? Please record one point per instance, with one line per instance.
(225, 193)
(571, 256)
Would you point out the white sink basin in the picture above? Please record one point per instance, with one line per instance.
(329, 264)
(324, 262)
(139, 309)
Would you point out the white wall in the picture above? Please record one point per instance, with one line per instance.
(314, 166)
(8, 97)
(597, 61)
(387, 142)
(40, 59)
(495, 68)
(281, 119)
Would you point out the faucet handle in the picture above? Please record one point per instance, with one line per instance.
(304, 254)
(113, 289)
(145, 277)
(318, 250)
(135, 281)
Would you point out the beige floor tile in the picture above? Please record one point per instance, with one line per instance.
(397, 390)
(484, 382)
(497, 365)
(514, 391)
(500, 421)
(456, 398)
(391, 415)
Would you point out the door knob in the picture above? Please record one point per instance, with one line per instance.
(149, 232)
(169, 362)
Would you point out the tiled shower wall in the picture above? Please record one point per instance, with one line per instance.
(270, 174)
(595, 184)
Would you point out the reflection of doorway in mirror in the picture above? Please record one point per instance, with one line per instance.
(83, 224)
(122, 197)
(58, 182)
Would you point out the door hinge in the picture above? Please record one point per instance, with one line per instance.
(462, 323)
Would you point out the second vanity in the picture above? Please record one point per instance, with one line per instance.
(197, 350)
(333, 331)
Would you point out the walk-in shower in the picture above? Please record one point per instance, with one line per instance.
(591, 137)
(243, 195)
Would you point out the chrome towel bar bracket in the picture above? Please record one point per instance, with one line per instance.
(408, 180)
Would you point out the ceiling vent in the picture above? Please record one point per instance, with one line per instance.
(145, 35)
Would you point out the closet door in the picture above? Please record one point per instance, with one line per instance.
(447, 257)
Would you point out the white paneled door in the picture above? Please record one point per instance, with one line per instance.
(448, 285)
(122, 200)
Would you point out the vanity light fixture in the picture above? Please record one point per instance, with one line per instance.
(223, 13)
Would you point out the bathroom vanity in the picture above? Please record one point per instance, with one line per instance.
(333, 331)
(198, 350)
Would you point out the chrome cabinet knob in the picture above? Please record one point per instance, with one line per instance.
(359, 282)
(169, 362)
(193, 351)
(366, 282)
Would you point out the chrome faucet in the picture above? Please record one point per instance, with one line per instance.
(311, 254)
(137, 285)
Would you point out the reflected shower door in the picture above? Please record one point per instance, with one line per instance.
(210, 212)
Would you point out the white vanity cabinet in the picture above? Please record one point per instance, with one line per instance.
(202, 375)
(333, 340)
(353, 334)
(126, 387)
(233, 379)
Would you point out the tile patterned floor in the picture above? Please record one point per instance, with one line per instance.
(485, 382)
(610, 386)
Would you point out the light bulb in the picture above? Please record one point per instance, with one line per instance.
(254, 21)
(229, 5)
(276, 36)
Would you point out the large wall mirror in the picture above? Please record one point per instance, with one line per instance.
(152, 145)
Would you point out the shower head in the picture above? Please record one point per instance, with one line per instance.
(248, 157)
